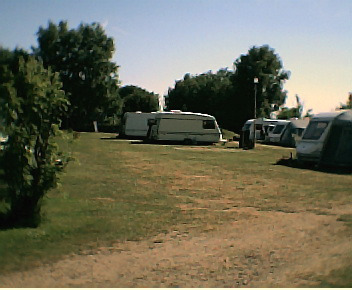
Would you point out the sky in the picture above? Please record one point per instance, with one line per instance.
(158, 41)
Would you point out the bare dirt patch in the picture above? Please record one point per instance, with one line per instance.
(265, 249)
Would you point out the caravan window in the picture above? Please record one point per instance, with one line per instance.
(258, 126)
(208, 124)
(298, 131)
(271, 128)
(246, 127)
(278, 129)
(315, 129)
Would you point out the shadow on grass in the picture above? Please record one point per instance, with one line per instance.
(110, 138)
(7, 220)
(131, 139)
(3, 204)
(140, 141)
(179, 143)
(294, 163)
(4, 222)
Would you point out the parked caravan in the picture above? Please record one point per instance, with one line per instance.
(246, 138)
(293, 131)
(263, 127)
(298, 128)
(276, 134)
(247, 129)
(328, 139)
(135, 124)
(186, 127)
(268, 127)
(281, 132)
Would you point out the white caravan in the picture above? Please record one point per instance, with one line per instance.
(263, 127)
(135, 124)
(186, 127)
(317, 133)
(294, 132)
(248, 126)
(268, 127)
(276, 134)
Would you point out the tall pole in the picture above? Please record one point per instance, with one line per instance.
(255, 109)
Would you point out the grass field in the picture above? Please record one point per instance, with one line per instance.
(118, 191)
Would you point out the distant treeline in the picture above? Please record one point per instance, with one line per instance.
(90, 81)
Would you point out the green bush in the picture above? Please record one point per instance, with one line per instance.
(32, 104)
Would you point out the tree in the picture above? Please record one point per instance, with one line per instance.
(264, 64)
(82, 56)
(295, 112)
(32, 103)
(229, 95)
(137, 99)
(348, 104)
(308, 114)
(10, 58)
(205, 93)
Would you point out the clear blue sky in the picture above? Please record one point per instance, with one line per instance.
(158, 41)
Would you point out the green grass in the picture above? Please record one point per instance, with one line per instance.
(341, 278)
(228, 134)
(117, 191)
(347, 218)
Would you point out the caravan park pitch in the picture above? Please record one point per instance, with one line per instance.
(128, 214)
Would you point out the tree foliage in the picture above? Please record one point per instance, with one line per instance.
(264, 64)
(32, 103)
(82, 57)
(137, 99)
(266, 95)
(205, 93)
(229, 95)
(348, 104)
(294, 112)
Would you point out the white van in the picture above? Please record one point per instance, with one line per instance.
(186, 127)
(310, 147)
(135, 124)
